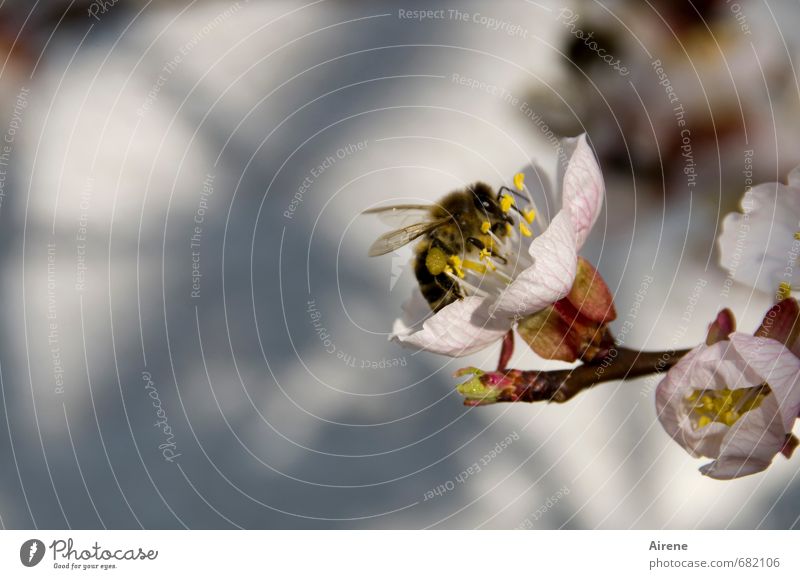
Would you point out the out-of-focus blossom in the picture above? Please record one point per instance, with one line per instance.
(697, 69)
(760, 247)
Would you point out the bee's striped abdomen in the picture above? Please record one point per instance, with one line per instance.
(438, 290)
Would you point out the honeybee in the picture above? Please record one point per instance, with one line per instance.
(470, 221)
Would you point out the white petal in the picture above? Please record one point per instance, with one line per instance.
(745, 361)
(776, 366)
(706, 367)
(670, 393)
(750, 444)
(722, 366)
(690, 373)
(733, 467)
(794, 177)
(757, 247)
(458, 329)
(582, 186)
(549, 278)
(415, 310)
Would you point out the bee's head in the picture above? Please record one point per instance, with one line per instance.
(489, 206)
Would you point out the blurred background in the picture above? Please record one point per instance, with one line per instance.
(193, 336)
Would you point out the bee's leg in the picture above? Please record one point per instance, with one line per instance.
(436, 242)
(506, 350)
(476, 242)
(450, 291)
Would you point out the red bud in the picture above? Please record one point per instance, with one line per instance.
(721, 328)
(575, 327)
(590, 295)
(782, 323)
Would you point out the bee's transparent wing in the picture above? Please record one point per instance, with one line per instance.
(388, 242)
(402, 215)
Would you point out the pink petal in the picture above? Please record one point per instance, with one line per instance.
(582, 186)
(750, 444)
(776, 366)
(549, 278)
(458, 329)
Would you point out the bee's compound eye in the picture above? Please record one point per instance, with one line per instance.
(482, 204)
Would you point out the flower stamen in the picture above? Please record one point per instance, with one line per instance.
(529, 215)
(532, 212)
(474, 266)
(462, 282)
(506, 201)
(486, 257)
(456, 262)
(724, 406)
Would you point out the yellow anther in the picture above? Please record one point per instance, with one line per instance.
(509, 229)
(784, 290)
(797, 235)
(724, 406)
(519, 181)
(506, 202)
(455, 261)
(474, 266)
(486, 256)
(486, 227)
(524, 229)
(730, 418)
(529, 215)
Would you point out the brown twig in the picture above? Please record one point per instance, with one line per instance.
(562, 385)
